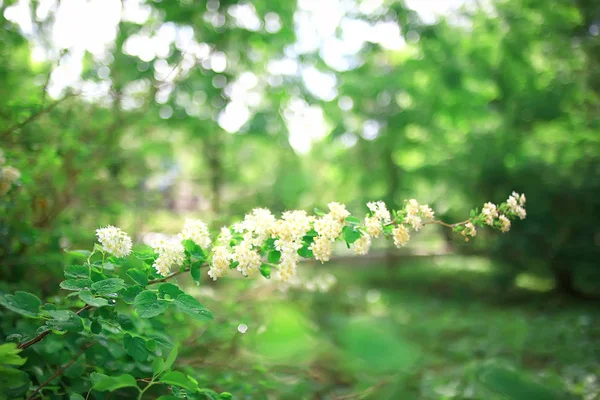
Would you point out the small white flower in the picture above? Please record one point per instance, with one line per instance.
(412, 208)
(221, 259)
(196, 231)
(469, 231)
(426, 212)
(505, 227)
(362, 245)
(401, 236)
(286, 269)
(292, 226)
(321, 248)
(171, 255)
(380, 211)
(490, 213)
(249, 260)
(338, 211)
(225, 236)
(373, 226)
(114, 241)
(328, 227)
(415, 221)
(515, 204)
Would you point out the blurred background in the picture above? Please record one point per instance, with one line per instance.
(141, 113)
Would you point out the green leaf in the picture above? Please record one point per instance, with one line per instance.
(269, 244)
(195, 251)
(148, 305)
(195, 272)
(318, 212)
(209, 394)
(169, 397)
(130, 294)
(125, 321)
(14, 383)
(9, 354)
(512, 384)
(107, 286)
(76, 284)
(135, 347)
(169, 290)
(158, 366)
(65, 320)
(265, 270)
(89, 298)
(305, 252)
(191, 306)
(145, 255)
(350, 234)
(24, 303)
(138, 276)
(178, 379)
(76, 396)
(115, 382)
(170, 358)
(274, 256)
(225, 396)
(95, 327)
(151, 345)
(77, 271)
(352, 220)
(79, 253)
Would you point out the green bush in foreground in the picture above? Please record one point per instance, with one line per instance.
(112, 274)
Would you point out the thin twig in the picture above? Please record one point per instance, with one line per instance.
(167, 277)
(46, 333)
(62, 369)
(35, 116)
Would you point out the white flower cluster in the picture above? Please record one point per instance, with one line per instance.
(8, 175)
(417, 214)
(469, 231)
(489, 213)
(114, 241)
(328, 228)
(257, 226)
(362, 245)
(516, 204)
(221, 259)
(380, 215)
(289, 232)
(401, 236)
(196, 231)
(171, 255)
(248, 259)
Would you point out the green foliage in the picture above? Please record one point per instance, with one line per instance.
(23, 303)
(470, 107)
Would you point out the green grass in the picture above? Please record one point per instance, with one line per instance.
(431, 329)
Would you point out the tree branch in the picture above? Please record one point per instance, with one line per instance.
(35, 116)
(62, 369)
(46, 333)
